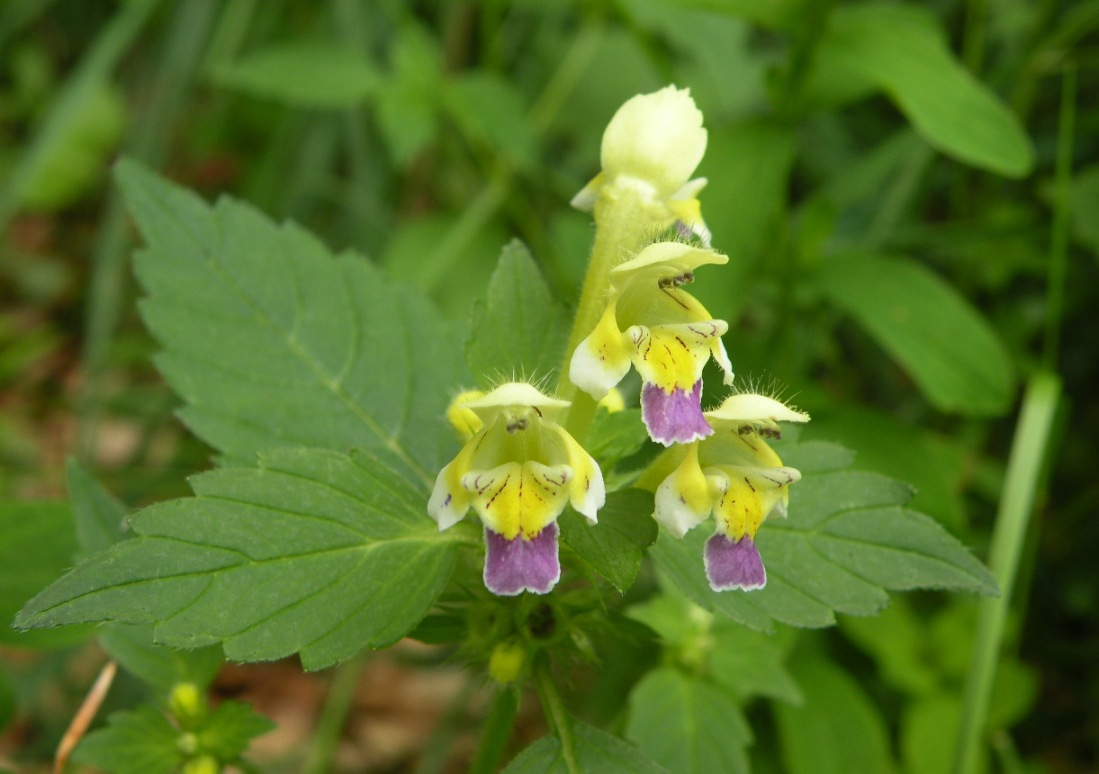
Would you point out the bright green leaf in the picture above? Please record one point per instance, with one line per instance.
(752, 663)
(318, 74)
(596, 752)
(37, 546)
(744, 661)
(837, 731)
(314, 553)
(490, 110)
(687, 725)
(408, 105)
(613, 547)
(929, 734)
(518, 330)
(140, 741)
(272, 342)
(846, 541)
(615, 435)
(902, 50)
(951, 352)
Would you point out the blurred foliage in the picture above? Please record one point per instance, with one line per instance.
(881, 175)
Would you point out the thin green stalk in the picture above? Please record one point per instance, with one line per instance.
(497, 731)
(1028, 452)
(556, 714)
(333, 717)
(623, 219)
(1058, 259)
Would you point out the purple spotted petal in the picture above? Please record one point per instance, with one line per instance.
(733, 565)
(514, 566)
(676, 417)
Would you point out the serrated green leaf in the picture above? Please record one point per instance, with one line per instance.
(950, 350)
(597, 752)
(687, 725)
(837, 731)
(37, 546)
(518, 331)
(314, 553)
(317, 74)
(272, 342)
(614, 546)
(230, 728)
(141, 741)
(100, 518)
(902, 50)
(846, 541)
(615, 435)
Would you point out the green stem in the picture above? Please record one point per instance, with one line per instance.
(556, 714)
(497, 730)
(341, 693)
(1028, 452)
(623, 219)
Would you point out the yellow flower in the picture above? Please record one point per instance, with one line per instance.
(651, 322)
(518, 471)
(653, 145)
(733, 476)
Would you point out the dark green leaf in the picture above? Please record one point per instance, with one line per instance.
(318, 74)
(132, 646)
(846, 541)
(313, 553)
(613, 547)
(596, 753)
(688, 725)
(518, 331)
(100, 518)
(140, 741)
(272, 342)
(837, 731)
(951, 352)
(903, 51)
(230, 728)
(37, 546)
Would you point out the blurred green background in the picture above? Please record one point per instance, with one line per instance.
(908, 193)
